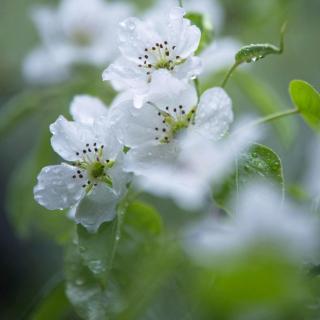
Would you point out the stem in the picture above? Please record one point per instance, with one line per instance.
(120, 216)
(228, 75)
(197, 85)
(181, 3)
(276, 116)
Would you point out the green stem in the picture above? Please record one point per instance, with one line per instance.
(120, 217)
(181, 3)
(197, 85)
(228, 75)
(276, 116)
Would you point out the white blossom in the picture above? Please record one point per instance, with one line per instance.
(261, 219)
(91, 181)
(201, 165)
(149, 46)
(153, 132)
(76, 32)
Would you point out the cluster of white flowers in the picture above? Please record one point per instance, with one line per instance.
(77, 32)
(161, 136)
(157, 129)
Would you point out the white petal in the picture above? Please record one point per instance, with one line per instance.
(168, 91)
(56, 187)
(191, 68)
(141, 159)
(134, 126)
(125, 74)
(97, 207)
(214, 114)
(134, 37)
(182, 34)
(69, 138)
(86, 109)
(41, 67)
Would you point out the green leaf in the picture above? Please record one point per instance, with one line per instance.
(307, 100)
(101, 267)
(54, 306)
(255, 52)
(203, 22)
(259, 164)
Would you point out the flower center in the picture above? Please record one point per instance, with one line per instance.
(173, 121)
(81, 38)
(92, 168)
(159, 56)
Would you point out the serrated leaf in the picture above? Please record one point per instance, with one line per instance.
(203, 22)
(259, 164)
(307, 100)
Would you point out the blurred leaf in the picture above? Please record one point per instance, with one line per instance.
(258, 285)
(267, 101)
(307, 100)
(259, 164)
(203, 22)
(97, 277)
(54, 306)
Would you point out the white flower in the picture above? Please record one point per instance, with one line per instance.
(153, 131)
(77, 32)
(201, 164)
(261, 220)
(92, 182)
(147, 47)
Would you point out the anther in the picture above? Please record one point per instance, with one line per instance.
(156, 129)
(177, 57)
(77, 153)
(164, 130)
(80, 176)
(84, 151)
(74, 176)
(78, 171)
(83, 186)
(166, 42)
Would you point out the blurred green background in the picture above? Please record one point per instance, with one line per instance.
(29, 255)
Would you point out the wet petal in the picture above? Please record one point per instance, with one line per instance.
(69, 138)
(56, 187)
(214, 114)
(86, 109)
(97, 207)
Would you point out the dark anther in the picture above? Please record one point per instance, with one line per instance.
(156, 129)
(83, 186)
(183, 112)
(80, 176)
(159, 114)
(77, 153)
(175, 109)
(166, 42)
(149, 65)
(157, 44)
(166, 138)
(84, 151)
(180, 107)
(146, 50)
(153, 48)
(89, 150)
(157, 138)
(140, 58)
(87, 145)
(161, 46)
(163, 121)
(74, 176)
(94, 144)
(140, 65)
(148, 73)
(96, 149)
(108, 161)
(102, 146)
(146, 56)
(164, 130)
(89, 182)
(78, 171)
(167, 108)
(167, 53)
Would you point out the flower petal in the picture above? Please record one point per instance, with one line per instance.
(86, 109)
(70, 138)
(214, 114)
(134, 126)
(97, 207)
(168, 91)
(141, 159)
(56, 187)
